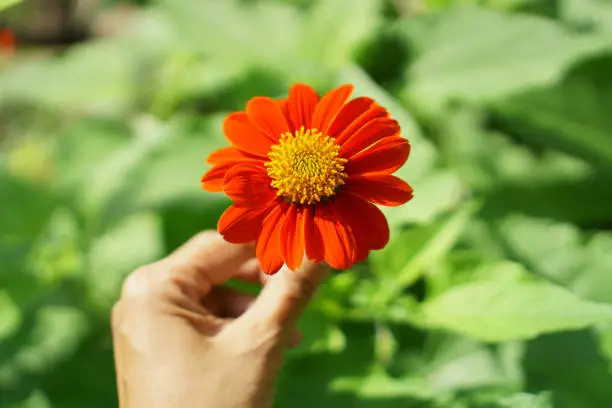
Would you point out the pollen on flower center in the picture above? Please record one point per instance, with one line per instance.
(305, 167)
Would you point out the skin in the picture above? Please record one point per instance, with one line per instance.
(183, 340)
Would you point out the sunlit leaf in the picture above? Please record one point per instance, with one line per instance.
(497, 311)
(457, 61)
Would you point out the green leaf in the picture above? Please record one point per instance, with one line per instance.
(571, 366)
(134, 241)
(94, 78)
(8, 3)
(56, 254)
(10, 315)
(37, 399)
(411, 253)
(572, 117)
(331, 41)
(561, 253)
(111, 178)
(498, 311)
(457, 61)
(525, 400)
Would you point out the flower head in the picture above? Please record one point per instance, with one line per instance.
(7, 42)
(305, 174)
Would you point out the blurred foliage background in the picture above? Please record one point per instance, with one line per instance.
(496, 289)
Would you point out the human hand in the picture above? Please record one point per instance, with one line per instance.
(182, 340)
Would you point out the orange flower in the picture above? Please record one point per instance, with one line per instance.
(304, 174)
(7, 42)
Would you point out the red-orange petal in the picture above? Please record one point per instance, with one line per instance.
(338, 241)
(368, 134)
(386, 155)
(268, 248)
(365, 220)
(212, 180)
(243, 134)
(315, 250)
(302, 104)
(268, 116)
(240, 225)
(7, 42)
(248, 185)
(292, 237)
(284, 105)
(349, 113)
(382, 189)
(229, 154)
(328, 107)
(375, 111)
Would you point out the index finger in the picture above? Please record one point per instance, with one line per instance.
(204, 261)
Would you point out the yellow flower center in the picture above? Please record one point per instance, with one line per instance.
(305, 167)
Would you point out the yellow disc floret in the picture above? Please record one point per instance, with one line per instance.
(305, 167)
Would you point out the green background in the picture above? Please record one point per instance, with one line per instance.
(496, 288)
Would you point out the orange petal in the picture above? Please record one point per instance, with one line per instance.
(328, 107)
(368, 134)
(338, 241)
(375, 111)
(7, 41)
(284, 105)
(386, 155)
(268, 248)
(229, 154)
(212, 180)
(243, 134)
(381, 189)
(248, 185)
(267, 115)
(348, 114)
(292, 237)
(312, 236)
(365, 220)
(240, 225)
(302, 104)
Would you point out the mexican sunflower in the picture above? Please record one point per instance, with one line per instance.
(7, 42)
(305, 173)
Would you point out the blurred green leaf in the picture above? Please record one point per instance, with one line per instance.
(525, 400)
(560, 253)
(134, 241)
(572, 116)
(570, 366)
(99, 77)
(37, 399)
(410, 254)
(497, 311)
(10, 315)
(56, 253)
(8, 3)
(330, 40)
(457, 61)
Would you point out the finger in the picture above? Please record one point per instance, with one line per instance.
(251, 272)
(118, 351)
(192, 270)
(226, 302)
(207, 252)
(284, 296)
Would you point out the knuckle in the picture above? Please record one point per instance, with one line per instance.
(138, 283)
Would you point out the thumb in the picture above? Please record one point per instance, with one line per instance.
(285, 296)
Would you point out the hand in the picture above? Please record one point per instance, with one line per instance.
(181, 340)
